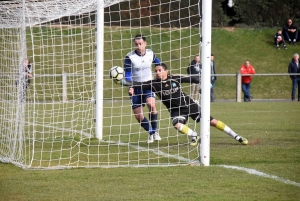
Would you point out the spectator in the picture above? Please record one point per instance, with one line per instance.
(24, 79)
(195, 65)
(290, 32)
(213, 78)
(28, 72)
(195, 69)
(279, 39)
(294, 67)
(246, 68)
(137, 66)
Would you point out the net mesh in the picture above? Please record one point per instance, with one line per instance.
(50, 122)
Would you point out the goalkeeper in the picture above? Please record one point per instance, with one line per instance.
(181, 106)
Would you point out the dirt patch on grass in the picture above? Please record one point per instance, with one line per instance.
(230, 29)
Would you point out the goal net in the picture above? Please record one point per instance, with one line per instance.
(47, 106)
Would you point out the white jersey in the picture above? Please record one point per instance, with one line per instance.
(139, 66)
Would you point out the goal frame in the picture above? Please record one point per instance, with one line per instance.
(19, 138)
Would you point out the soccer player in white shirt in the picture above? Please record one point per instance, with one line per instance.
(137, 66)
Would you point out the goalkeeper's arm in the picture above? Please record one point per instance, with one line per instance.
(133, 84)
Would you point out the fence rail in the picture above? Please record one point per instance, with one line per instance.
(64, 76)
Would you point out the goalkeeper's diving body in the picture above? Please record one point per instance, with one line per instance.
(181, 106)
(137, 66)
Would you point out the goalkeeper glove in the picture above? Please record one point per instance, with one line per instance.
(123, 82)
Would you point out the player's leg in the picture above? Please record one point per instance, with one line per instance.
(179, 119)
(218, 124)
(149, 98)
(137, 108)
(223, 127)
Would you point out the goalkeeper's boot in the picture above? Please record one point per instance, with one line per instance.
(156, 136)
(243, 140)
(150, 139)
(195, 141)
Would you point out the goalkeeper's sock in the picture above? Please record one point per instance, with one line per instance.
(186, 130)
(153, 120)
(223, 127)
(145, 124)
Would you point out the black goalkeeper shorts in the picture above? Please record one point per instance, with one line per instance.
(193, 111)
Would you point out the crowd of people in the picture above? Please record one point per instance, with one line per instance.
(290, 33)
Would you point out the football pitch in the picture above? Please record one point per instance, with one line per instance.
(266, 169)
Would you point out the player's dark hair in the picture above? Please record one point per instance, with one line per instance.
(140, 36)
(165, 67)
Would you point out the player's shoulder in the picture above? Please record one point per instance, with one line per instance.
(131, 53)
(175, 76)
(149, 51)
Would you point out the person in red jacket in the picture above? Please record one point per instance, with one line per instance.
(246, 68)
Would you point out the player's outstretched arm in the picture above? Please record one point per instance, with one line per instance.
(187, 79)
(133, 84)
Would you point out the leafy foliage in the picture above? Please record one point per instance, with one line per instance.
(262, 13)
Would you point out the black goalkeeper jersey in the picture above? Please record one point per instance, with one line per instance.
(170, 91)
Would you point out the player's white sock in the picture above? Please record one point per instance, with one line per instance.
(186, 130)
(223, 127)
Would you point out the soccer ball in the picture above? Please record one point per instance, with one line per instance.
(116, 73)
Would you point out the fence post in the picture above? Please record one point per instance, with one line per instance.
(238, 86)
(64, 87)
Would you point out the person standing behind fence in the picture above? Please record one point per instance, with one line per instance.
(247, 68)
(195, 69)
(294, 67)
(213, 78)
(25, 76)
(28, 72)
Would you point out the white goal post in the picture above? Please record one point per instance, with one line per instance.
(72, 114)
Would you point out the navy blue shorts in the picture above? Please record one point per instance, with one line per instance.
(139, 97)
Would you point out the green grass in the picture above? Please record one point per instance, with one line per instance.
(271, 127)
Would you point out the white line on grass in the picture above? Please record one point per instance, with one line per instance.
(153, 151)
(88, 135)
(248, 170)
(261, 174)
